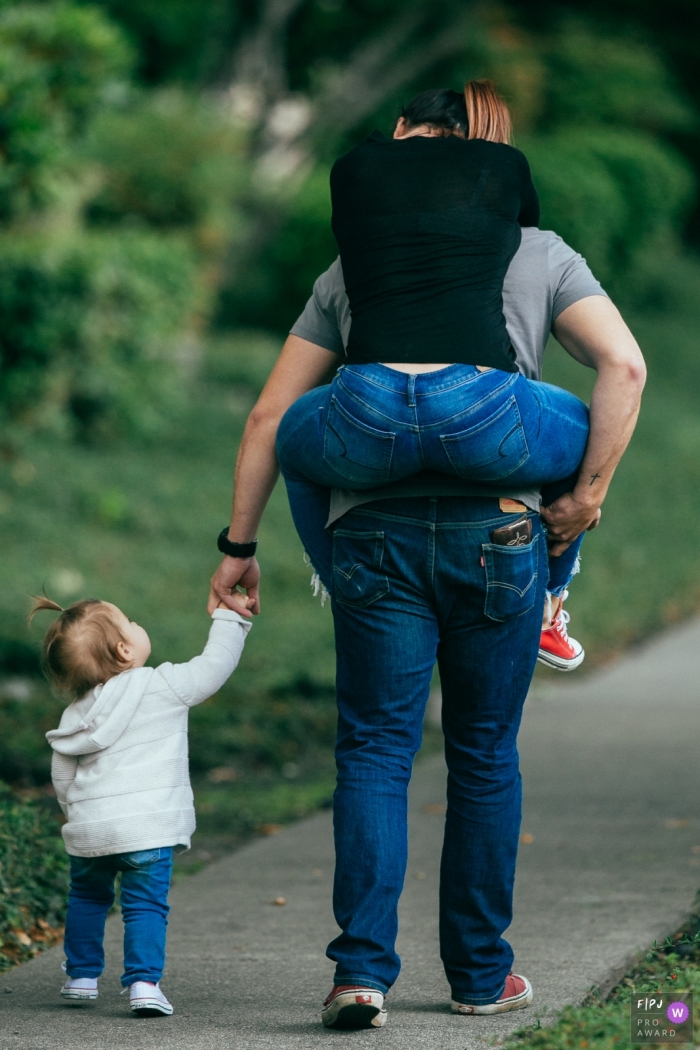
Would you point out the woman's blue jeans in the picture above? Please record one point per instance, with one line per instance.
(374, 425)
(145, 882)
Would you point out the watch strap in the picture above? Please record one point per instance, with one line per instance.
(235, 550)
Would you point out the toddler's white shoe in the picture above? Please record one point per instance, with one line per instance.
(80, 989)
(147, 1000)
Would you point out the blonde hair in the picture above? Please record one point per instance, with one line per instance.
(488, 114)
(80, 647)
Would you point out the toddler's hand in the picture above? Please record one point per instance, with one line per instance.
(246, 602)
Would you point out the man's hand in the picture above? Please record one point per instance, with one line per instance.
(232, 573)
(566, 519)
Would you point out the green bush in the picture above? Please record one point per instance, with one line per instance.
(171, 159)
(289, 724)
(57, 62)
(25, 756)
(614, 195)
(33, 879)
(275, 282)
(88, 330)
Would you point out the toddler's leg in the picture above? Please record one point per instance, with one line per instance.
(90, 897)
(144, 900)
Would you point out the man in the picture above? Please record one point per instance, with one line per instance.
(415, 579)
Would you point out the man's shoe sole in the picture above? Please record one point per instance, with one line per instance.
(558, 662)
(515, 1002)
(346, 1013)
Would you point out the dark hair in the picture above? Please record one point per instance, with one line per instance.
(439, 108)
(80, 647)
(478, 113)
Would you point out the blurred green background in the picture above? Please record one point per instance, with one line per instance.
(164, 211)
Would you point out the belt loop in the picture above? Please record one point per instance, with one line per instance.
(411, 391)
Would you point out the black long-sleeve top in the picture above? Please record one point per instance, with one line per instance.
(426, 229)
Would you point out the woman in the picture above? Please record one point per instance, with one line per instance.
(427, 224)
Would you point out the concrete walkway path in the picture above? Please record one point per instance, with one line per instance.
(612, 789)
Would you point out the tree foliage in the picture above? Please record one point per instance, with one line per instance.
(211, 126)
(57, 65)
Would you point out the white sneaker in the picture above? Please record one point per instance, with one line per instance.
(80, 989)
(147, 1000)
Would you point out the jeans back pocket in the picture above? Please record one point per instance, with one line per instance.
(511, 580)
(140, 858)
(490, 450)
(357, 564)
(355, 450)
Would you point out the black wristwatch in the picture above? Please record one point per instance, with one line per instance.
(235, 550)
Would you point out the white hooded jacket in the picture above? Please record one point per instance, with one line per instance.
(120, 766)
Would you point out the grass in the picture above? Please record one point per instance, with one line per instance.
(668, 969)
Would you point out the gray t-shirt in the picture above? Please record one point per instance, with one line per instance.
(544, 278)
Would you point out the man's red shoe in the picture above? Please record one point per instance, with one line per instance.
(352, 1006)
(516, 995)
(557, 649)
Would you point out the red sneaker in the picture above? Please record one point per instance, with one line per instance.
(517, 994)
(557, 649)
(352, 1006)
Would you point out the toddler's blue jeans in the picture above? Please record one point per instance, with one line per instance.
(145, 882)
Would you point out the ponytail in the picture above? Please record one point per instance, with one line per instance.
(476, 113)
(81, 646)
(42, 604)
(487, 113)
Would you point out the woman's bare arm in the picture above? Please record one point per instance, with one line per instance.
(593, 331)
(301, 366)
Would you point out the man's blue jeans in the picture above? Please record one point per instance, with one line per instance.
(145, 882)
(414, 582)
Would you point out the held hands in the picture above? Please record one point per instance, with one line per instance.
(233, 573)
(566, 519)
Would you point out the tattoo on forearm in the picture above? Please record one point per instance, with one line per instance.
(594, 478)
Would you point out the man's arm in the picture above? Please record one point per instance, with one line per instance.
(301, 366)
(593, 332)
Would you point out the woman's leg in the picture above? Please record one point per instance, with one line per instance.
(524, 433)
(366, 430)
(90, 897)
(320, 441)
(310, 505)
(564, 567)
(144, 900)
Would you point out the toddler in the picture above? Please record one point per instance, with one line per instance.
(120, 771)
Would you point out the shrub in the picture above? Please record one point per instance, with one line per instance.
(56, 64)
(89, 326)
(33, 879)
(613, 195)
(171, 159)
